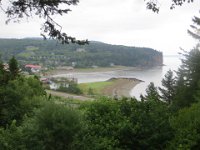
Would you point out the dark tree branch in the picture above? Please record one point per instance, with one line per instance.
(19, 9)
(154, 4)
(195, 32)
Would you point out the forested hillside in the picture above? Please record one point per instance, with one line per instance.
(52, 53)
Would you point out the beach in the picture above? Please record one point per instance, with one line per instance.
(121, 83)
(121, 87)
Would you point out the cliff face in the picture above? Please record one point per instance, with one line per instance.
(158, 59)
(151, 60)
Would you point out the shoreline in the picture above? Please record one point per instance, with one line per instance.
(113, 87)
(56, 72)
(121, 87)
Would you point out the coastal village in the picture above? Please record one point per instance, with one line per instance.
(121, 86)
(54, 83)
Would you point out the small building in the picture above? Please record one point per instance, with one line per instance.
(33, 68)
(56, 83)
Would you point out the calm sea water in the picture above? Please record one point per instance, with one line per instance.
(155, 75)
(148, 75)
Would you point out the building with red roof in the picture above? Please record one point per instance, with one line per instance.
(34, 68)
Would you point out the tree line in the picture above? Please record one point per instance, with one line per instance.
(51, 54)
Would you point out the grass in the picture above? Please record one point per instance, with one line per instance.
(62, 100)
(95, 87)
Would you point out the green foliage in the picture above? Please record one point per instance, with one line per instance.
(9, 72)
(124, 124)
(17, 94)
(188, 77)
(168, 90)
(52, 127)
(19, 97)
(90, 91)
(95, 87)
(10, 138)
(13, 68)
(194, 32)
(197, 93)
(72, 88)
(152, 93)
(186, 126)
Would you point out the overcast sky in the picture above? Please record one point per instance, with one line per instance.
(122, 22)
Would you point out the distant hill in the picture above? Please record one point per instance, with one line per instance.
(52, 53)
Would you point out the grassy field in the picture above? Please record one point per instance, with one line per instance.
(94, 87)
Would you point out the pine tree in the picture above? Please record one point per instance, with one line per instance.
(190, 68)
(152, 93)
(168, 90)
(13, 68)
(188, 77)
(195, 28)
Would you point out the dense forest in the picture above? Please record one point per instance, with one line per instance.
(50, 53)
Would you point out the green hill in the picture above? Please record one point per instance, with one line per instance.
(52, 53)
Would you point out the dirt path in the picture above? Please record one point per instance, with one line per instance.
(66, 95)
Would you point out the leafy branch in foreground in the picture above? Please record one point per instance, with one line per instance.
(154, 5)
(19, 9)
(195, 29)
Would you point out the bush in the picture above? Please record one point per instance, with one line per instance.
(125, 124)
(18, 97)
(186, 127)
(52, 128)
(72, 88)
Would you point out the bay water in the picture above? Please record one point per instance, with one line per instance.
(154, 74)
